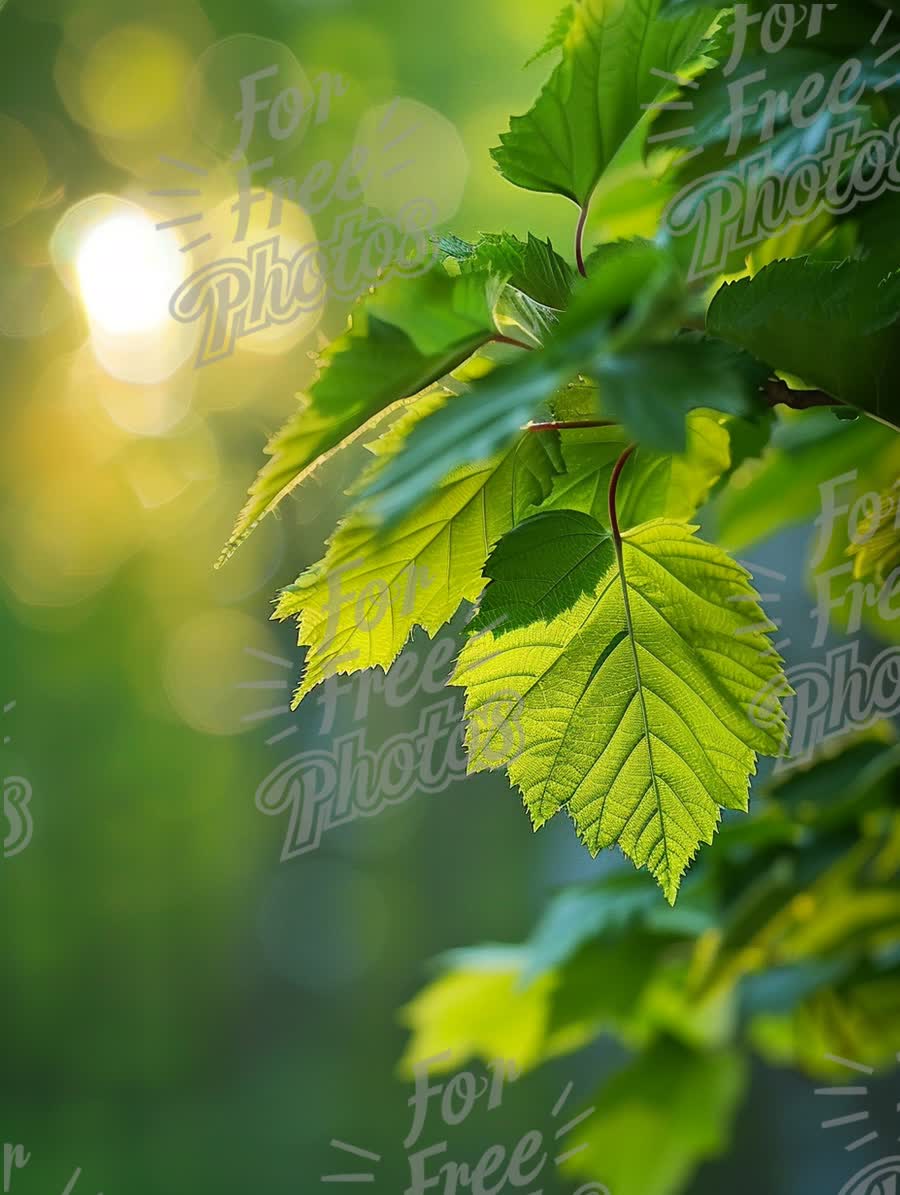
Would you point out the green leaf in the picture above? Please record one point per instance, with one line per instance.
(404, 337)
(841, 784)
(670, 8)
(633, 705)
(782, 488)
(781, 989)
(543, 567)
(720, 211)
(659, 1118)
(879, 226)
(716, 115)
(843, 601)
(651, 390)
(856, 1021)
(652, 484)
(537, 281)
(358, 606)
(611, 58)
(789, 311)
(637, 293)
(557, 34)
(603, 987)
(470, 428)
(477, 1008)
(618, 902)
(531, 266)
(876, 550)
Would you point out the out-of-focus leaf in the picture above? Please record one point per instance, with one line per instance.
(715, 114)
(846, 602)
(857, 1022)
(719, 214)
(876, 552)
(841, 785)
(652, 389)
(621, 901)
(659, 1118)
(782, 487)
(477, 1008)
(602, 987)
(782, 989)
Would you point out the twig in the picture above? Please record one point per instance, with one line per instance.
(780, 393)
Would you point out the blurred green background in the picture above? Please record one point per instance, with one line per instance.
(183, 1010)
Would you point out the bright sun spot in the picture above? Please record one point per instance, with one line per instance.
(128, 273)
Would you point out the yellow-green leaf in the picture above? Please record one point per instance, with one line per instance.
(358, 606)
(635, 703)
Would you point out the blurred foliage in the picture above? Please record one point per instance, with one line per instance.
(784, 942)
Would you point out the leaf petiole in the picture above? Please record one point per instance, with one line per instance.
(613, 487)
(566, 425)
(579, 240)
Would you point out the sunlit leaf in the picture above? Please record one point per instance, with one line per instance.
(402, 338)
(619, 307)
(612, 57)
(634, 703)
(653, 484)
(358, 606)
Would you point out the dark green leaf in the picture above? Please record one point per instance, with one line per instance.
(542, 567)
(651, 390)
(836, 327)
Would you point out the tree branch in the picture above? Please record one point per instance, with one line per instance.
(778, 392)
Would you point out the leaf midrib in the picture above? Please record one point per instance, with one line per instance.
(629, 625)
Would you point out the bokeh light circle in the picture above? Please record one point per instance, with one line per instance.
(411, 152)
(125, 271)
(235, 75)
(133, 80)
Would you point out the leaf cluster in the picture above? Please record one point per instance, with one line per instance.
(545, 428)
